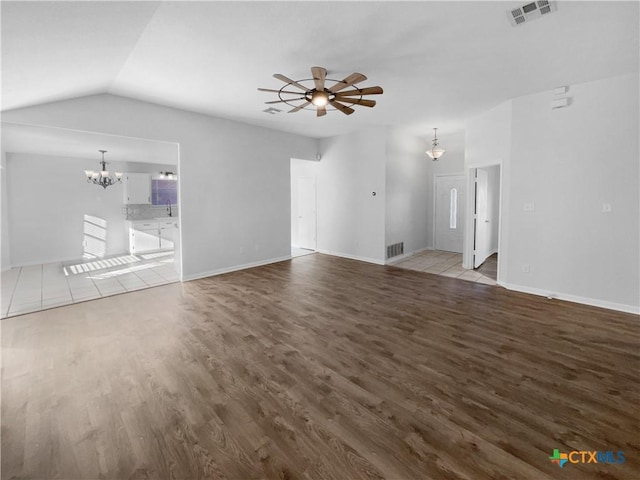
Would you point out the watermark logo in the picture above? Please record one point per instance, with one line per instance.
(559, 458)
(586, 456)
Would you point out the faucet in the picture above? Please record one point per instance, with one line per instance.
(169, 207)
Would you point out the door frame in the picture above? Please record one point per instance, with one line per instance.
(470, 233)
(435, 196)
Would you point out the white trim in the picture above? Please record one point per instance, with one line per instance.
(220, 271)
(396, 259)
(594, 302)
(352, 257)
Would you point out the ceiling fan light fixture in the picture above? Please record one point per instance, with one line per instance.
(435, 152)
(319, 98)
(323, 96)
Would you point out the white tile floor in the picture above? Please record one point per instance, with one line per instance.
(448, 264)
(38, 287)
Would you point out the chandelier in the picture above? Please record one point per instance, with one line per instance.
(102, 177)
(435, 152)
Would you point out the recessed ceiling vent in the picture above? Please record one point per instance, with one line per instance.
(271, 110)
(530, 11)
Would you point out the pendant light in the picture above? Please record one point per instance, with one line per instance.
(102, 177)
(435, 152)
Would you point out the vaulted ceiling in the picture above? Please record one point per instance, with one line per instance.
(438, 62)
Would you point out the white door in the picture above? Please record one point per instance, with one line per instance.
(482, 250)
(450, 198)
(307, 213)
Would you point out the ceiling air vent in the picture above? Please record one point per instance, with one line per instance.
(271, 111)
(530, 11)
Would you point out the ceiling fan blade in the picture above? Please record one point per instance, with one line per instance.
(347, 82)
(321, 111)
(292, 82)
(287, 100)
(299, 107)
(319, 74)
(361, 91)
(343, 108)
(358, 101)
(277, 91)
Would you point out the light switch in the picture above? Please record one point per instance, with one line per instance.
(529, 207)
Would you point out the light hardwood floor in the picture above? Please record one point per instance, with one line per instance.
(319, 368)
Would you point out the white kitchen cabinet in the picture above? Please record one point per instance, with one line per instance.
(137, 188)
(151, 235)
(167, 234)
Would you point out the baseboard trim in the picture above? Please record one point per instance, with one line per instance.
(593, 302)
(352, 257)
(235, 268)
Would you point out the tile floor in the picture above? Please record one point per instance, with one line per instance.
(450, 265)
(39, 287)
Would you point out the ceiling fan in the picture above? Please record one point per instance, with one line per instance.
(314, 91)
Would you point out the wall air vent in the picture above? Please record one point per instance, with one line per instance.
(530, 11)
(395, 249)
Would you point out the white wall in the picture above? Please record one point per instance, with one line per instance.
(299, 168)
(234, 178)
(54, 214)
(351, 221)
(488, 142)
(493, 205)
(407, 203)
(5, 260)
(569, 162)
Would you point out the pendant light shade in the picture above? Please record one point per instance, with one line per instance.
(435, 152)
(102, 177)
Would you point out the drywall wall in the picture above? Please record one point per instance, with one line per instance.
(487, 143)
(55, 215)
(566, 164)
(5, 259)
(351, 219)
(452, 162)
(571, 163)
(493, 205)
(407, 203)
(234, 178)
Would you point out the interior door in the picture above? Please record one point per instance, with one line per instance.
(482, 250)
(307, 213)
(450, 200)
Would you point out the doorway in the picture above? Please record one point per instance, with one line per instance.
(449, 212)
(486, 224)
(303, 207)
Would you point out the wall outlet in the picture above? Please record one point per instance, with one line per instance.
(526, 268)
(606, 208)
(529, 207)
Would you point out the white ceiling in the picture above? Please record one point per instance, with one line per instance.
(438, 62)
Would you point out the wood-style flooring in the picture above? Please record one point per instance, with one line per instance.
(319, 368)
